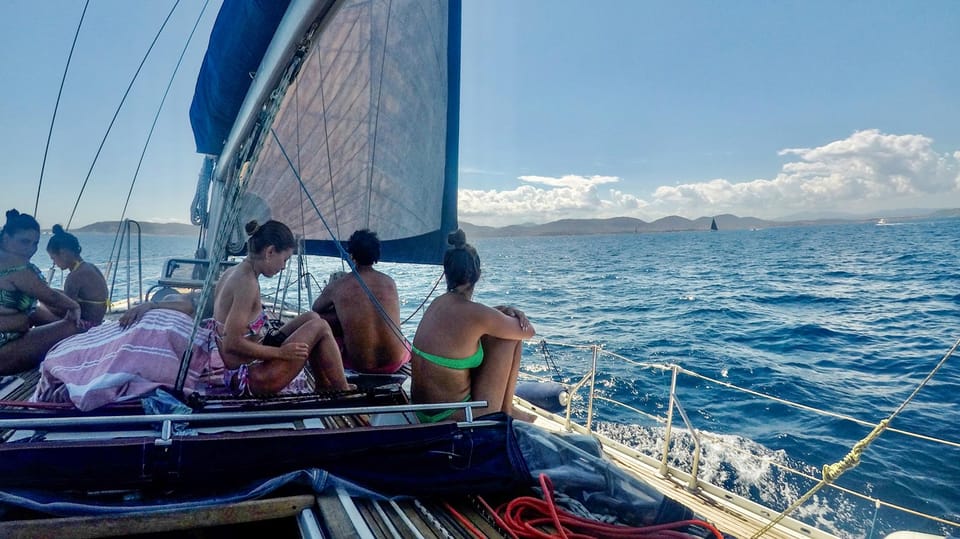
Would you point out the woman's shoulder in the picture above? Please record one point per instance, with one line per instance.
(10, 267)
(91, 269)
(87, 276)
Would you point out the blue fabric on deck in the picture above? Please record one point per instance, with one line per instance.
(240, 36)
(61, 504)
(375, 463)
(577, 467)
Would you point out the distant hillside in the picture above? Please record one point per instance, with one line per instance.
(157, 229)
(673, 223)
(939, 214)
(616, 225)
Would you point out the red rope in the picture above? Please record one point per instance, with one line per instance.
(526, 518)
(496, 518)
(464, 521)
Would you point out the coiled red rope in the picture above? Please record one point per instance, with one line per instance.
(526, 518)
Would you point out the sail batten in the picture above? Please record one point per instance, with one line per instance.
(367, 128)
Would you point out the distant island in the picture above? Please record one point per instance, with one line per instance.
(673, 223)
(156, 229)
(572, 227)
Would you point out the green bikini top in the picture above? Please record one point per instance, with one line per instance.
(471, 362)
(15, 299)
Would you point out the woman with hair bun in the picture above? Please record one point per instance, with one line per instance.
(22, 347)
(85, 284)
(464, 350)
(260, 364)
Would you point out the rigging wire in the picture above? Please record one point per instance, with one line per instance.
(301, 259)
(326, 145)
(153, 126)
(833, 471)
(424, 302)
(343, 253)
(376, 114)
(229, 215)
(56, 107)
(117, 113)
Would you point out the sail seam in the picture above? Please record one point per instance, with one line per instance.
(376, 114)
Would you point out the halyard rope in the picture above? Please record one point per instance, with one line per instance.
(56, 107)
(117, 113)
(832, 471)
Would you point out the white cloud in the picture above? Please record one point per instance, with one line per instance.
(571, 181)
(570, 196)
(867, 171)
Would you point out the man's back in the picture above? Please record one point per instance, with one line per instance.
(370, 343)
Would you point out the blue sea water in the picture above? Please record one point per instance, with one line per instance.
(845, 318)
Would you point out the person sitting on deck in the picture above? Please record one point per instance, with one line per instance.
(258, 366)
(464, 350)
(85, 284)
(368, 327)
(22, 346)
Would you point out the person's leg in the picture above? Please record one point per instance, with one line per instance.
(495, 380)
(330, 317)
(42, 316)
(269, 377)
(325, 358)
(28, 351)
(293, 325)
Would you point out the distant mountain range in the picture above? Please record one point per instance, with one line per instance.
(673, 223)
(157, 229)
(574, 227)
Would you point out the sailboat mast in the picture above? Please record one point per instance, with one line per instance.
(298, 18)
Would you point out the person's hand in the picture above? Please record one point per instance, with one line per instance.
(516, 313)
(74, 314)
(134, 314)
(294, 351)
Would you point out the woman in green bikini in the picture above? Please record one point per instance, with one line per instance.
(21, 285)
(464, 350)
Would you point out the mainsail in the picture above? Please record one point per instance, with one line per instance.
(350, 122)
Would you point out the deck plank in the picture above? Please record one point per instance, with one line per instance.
(162, 521)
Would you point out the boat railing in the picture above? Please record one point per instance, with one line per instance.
(245, 416)
(693, 482)
(113, 265)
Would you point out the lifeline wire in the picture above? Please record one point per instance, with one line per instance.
(832, 471)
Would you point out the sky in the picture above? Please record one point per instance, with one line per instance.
(568, 109)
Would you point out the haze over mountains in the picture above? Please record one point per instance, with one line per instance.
(673, 223)
(578, 227)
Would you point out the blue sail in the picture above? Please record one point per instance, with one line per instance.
(360, 131)
(239, 38)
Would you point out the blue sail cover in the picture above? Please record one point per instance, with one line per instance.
(366, 132)
(242, 32)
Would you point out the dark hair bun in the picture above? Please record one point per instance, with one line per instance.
(57, 229)
(457, 238)
(252, 227)
(12, 214)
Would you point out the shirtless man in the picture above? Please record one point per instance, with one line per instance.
(370, 343)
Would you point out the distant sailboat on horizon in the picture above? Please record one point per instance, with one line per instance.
(713, 225)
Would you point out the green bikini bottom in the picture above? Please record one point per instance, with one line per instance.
(436, 417)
